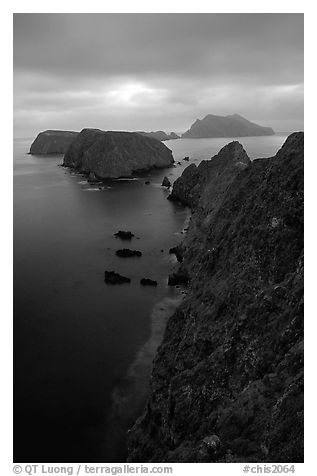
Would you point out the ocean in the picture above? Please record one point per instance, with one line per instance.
(83, 349)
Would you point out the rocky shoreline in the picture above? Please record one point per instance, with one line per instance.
(227, 380)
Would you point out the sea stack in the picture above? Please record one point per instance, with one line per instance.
(52, 142)
(113, 154)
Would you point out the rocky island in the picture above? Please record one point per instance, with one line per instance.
(159, 135)
(226, 126)
(112, 154)
(227, 380)
(52, 142)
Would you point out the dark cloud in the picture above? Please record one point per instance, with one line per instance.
(142, 71)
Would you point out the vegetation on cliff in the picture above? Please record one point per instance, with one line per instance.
(52, 142)
(114, 154)
(227, 381)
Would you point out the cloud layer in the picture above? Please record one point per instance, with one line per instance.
(156, 71)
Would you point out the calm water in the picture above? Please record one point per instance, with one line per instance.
(83, 349)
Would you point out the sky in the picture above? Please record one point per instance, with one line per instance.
(156, 71)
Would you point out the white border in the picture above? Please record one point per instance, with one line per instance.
(6, 201)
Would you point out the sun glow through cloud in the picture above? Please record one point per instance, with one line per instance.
(133, 94)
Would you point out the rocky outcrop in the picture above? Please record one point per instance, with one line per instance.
(227, 380)
(211, 177)
(226, 126)
(111, 277)
(177, 251)
(159, 135)
(148, 282)
(52, 142)
(124, 235)
(126, 253)
(166, 182)
(113, 154)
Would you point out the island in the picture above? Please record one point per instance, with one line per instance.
(159, 135)
(113, 154)
(227, 380)
(225, 126)
(52, 142)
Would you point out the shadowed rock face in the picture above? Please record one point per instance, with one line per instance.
(212, 176)
(226, 126)
(52, 142)
(227, 381)
(116, 154)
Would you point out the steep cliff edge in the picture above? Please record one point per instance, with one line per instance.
(115, 154)
(227, 381)
(225, 126)
(52, 142)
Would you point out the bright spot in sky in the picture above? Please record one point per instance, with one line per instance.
(131, 93)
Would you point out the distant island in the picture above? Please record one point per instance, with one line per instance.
(58, 142)
(225, 126)
(52, 142)
(114, 154)
(159, 135)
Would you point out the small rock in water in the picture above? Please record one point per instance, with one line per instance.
(126, 253)
(115, 278)
(166, 182)
(148, 282)
(124, 235)
(92, 178)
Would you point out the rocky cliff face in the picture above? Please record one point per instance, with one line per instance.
(52, 142)
(227, 381)
(226, 126)
(116, 154)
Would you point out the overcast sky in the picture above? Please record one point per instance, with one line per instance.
(156, 71)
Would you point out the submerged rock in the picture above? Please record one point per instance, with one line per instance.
(126, 253)
(148, 282)
(124, 235)
(114, 154)
(115, 278)
(52, 142)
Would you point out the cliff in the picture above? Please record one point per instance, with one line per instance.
(116, 154)
(227, 380)
(226, 126)
(159, 135)
(52, 142)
